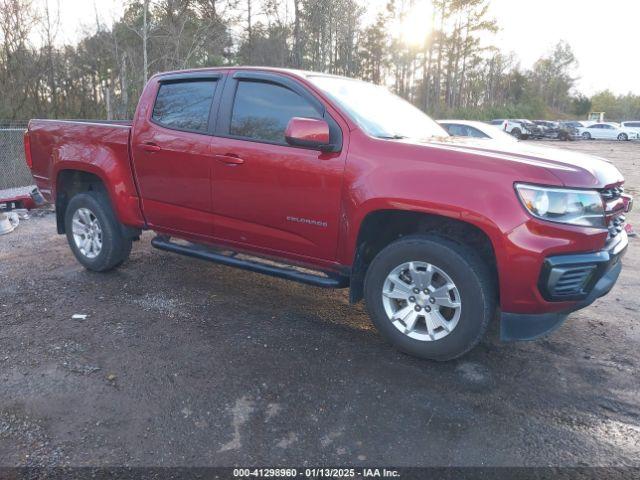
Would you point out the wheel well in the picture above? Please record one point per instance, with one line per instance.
(380, 228)
(70, 183)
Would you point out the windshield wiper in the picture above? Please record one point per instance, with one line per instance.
(391, 137)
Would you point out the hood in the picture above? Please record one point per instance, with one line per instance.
(572, 168)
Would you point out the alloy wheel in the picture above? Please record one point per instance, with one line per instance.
(87, 232)
(422, 301)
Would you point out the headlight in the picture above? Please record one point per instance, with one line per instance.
(562, 205)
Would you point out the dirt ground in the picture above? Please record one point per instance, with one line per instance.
(182, 363)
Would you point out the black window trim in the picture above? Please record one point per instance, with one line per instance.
(225, 109)
(188, 78)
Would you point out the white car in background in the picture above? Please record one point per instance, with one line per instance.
(632, 125)
(469, 128)
(512, 127)
(608, 131)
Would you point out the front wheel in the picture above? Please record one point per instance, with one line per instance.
(93, 232)
(586, 136)
(623, 137)
(430, 297)
(516, 133)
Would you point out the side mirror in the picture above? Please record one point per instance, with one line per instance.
(308, 132)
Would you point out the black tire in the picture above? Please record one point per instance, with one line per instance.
(623, 137)
(586, 135)
(471, 276)
(116, 247)
(516, 132)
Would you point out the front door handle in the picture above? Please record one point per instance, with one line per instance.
(150, 147)
(230, 159)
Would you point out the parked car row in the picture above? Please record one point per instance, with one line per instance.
(519, 128)
(610, 131)
(522, 129)
(475, 129)
(588, 130)
(559, 130)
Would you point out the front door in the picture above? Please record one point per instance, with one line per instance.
(171, 147)
(266, 193)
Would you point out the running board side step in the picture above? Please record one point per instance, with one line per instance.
(196, 251)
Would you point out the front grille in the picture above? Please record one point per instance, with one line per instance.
(571, 281)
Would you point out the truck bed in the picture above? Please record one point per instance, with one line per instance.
(52, 141)
(99, 148)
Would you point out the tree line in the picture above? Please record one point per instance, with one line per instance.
(453, 71)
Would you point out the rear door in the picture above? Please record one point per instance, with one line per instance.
(171, 147)
(267, 194)
(609, 131)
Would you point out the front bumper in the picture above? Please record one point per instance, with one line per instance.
(603, 269)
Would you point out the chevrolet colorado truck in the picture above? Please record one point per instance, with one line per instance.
(338, 183)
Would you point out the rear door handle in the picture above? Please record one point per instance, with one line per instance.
(230, 159)
(150, 147)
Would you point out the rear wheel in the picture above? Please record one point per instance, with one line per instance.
(93, 232)
(430, 297)
(516, 132)
(623, 137)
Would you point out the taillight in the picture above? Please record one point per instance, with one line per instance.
(27, 150)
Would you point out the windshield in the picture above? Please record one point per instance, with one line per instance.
(378, 111)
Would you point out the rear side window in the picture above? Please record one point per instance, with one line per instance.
(261, 111)
(474, 132)
(633, 124)
(184, 105)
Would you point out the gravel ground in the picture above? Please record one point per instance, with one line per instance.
(180, 363)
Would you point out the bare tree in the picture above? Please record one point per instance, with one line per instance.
(145, 36)
(103, 73)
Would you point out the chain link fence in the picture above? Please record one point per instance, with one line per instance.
(14, 172)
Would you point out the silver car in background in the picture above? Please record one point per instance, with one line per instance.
(471, 128)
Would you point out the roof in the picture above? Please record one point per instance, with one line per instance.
(288, 71)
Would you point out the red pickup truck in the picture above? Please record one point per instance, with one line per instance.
(273, 170)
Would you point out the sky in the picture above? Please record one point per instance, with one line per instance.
(603, 34)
